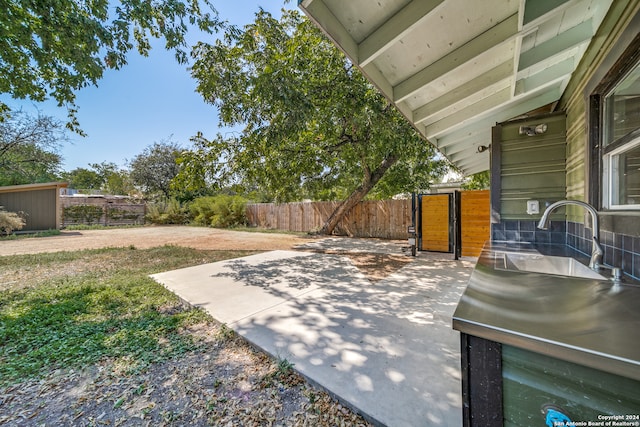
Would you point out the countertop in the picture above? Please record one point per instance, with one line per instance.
(591, 322)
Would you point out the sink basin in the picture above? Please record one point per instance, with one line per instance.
(538, 263)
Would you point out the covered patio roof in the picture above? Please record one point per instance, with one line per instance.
(455, 68)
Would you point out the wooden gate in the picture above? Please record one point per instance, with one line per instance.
(457, 222)
(475, 215)
(436, 221)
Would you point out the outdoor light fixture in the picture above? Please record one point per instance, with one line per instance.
(483, 148)
(533, 130)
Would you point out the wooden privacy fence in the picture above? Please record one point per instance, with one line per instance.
(384, 219)
(101, 210)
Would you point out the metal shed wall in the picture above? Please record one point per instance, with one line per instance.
(40, 204)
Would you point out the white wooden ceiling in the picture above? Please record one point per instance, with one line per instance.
(455, 68)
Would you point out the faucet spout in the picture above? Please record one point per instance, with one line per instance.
(596, 249)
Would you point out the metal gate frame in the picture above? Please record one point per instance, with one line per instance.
(455, 221)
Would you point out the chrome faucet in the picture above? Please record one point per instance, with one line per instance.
(596, 249)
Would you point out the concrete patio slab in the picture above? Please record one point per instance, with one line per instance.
(386, 348)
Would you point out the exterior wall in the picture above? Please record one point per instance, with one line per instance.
(576, 157)
(39, 202)
(620, 249)
(39, 207)
(528, 167)
(575, 101)
(619, 232)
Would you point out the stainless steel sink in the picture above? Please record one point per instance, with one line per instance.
(538, 263)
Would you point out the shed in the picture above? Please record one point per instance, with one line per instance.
(40, 203)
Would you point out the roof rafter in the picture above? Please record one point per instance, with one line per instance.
(495, 75)
(569, 39)
(462, 146)
(459, 118)
(496, 35)
(474, 164)
(535, 81)
(394, 29)
(514, 110)
(467, 132)
(325, 19)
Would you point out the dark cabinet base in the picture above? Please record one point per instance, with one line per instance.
(481, 382)
(506, 385)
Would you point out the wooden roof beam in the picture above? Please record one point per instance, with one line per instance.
(495, 75)
(569, 39)
(545, 77)
(509, 112)
(318, 12)
(396, 27)
(465, 115)
(474, 164)
(498, 34)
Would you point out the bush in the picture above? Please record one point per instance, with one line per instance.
(221, 211)
(82, 214)
(10, 221)
(167, 212)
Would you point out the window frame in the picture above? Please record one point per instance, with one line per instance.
(609, 177)
(599, 189)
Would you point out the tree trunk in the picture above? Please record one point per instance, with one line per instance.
(369, 181)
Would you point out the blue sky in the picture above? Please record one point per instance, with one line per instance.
(149, 100)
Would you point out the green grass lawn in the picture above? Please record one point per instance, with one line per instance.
(73, 309)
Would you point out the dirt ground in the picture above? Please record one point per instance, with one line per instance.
(152, 236)
(228, 382)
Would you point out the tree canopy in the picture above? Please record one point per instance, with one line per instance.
(312, 126)
(52, 48)
(105, 176)
(29, 148)
(154, 169)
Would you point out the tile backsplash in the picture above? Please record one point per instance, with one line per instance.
(619, 250)
(527, 231)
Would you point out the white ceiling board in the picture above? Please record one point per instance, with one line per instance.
(460, 98)
(456, 67)
(361, 17)
(475, 70)
(546, 76)
(399, 26)
(577, 35)
(449, 30)
(469, 114)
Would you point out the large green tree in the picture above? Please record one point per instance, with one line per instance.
(154, 169)
(52, 48)
(29, 148)
(105, 176)
(311, 123)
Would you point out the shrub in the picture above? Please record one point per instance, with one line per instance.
(10, 221)
(82, 214)
(219, 211)
(167, 212)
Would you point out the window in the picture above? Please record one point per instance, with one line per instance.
(621, 144)
(618, 141)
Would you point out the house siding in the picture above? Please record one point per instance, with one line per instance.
(620, 250)
(530, 167)
(576, 98)
(576, 174)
